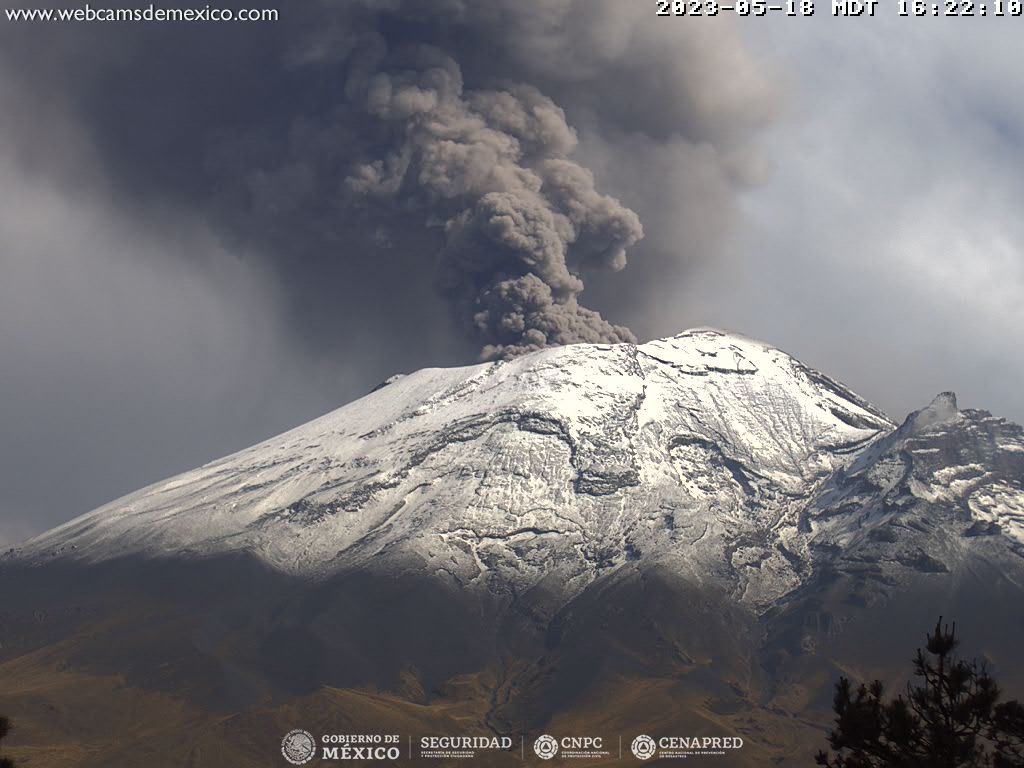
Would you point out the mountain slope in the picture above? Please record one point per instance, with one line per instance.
(561, 464)
(696, 535)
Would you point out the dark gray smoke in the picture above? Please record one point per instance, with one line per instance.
(491, 169)
(370, 149)
(218, 231)
(444, 138)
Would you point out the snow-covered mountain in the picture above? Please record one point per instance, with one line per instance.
(693, 535)
(560, 464)
(710, 454)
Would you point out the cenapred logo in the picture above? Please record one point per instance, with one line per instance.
(643, 747)
(298, 746)
(680, 747)
(546, 747)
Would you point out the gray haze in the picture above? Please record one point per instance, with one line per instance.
(886, 246)
(214, 232)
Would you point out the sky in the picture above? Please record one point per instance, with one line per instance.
(214, 232)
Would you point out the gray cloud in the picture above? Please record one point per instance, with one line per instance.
(260, 130)
(886, 247)
(214, 232)
(455, 134)
(490, 168)
(227, 229)
(131, 346)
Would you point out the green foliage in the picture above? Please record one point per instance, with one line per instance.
(5, 728)
(951, 717)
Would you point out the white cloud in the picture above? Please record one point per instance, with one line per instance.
(887, 246)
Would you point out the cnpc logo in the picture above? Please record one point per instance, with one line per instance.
(546, 747)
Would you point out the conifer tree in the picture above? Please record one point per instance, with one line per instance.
(951, 717)
(5, 727)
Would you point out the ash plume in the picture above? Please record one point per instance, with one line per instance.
(381, 155)
(491, 169)
(276, 216)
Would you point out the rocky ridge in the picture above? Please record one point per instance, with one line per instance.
(719, 458)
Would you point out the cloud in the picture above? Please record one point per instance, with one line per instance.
(886, 247)
(132, 345)
(214, 232)
(498, 141)
(490, 168)
(217, 231)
